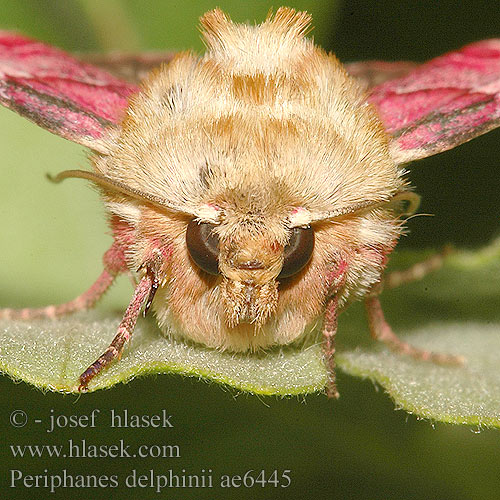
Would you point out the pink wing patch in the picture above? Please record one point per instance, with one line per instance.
(443, 103)
(61, 94)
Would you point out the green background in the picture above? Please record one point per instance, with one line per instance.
(53, 237)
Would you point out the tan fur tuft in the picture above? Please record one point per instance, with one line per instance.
(247, 49)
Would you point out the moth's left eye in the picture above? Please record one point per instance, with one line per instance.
(298, 251)
(203, 246)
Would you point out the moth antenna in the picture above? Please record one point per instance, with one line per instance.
(412, 198)
(339, 212)
(418, 215)
(118, 186)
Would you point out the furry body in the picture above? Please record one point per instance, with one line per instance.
(264, 133)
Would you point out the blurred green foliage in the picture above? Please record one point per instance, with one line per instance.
(53, 238)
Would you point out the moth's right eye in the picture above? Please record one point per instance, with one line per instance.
(203, 246)
(298, 252)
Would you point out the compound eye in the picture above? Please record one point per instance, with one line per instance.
(203, 245)
(298, 252)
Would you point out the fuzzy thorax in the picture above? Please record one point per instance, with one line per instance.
(265, 129)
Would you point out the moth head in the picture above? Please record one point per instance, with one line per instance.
(252, 254)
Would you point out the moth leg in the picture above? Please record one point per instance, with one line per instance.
(329, 331)
(143, 295)
(416, 271)
(381, 330)
(141, 300)
(335, 280)
(114, 264)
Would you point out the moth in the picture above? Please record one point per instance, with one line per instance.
(255, 188)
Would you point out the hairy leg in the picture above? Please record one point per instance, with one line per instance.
(417, 271)
(114, 264)
(329, 332)
(141, 301)
(336, 280)
(381, 330)
(142, 295)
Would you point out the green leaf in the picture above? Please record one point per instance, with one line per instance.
(454, 310)
(52, 354)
